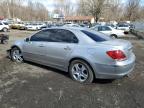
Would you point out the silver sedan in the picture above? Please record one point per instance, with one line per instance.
(84, 53)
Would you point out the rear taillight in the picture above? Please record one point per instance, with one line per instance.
(116, 55)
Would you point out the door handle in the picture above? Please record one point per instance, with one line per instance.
(67, 48)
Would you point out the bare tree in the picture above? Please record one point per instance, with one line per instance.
(68, 8)
(132, 9)
(64, 7)
(81, 10)
(113, 11)
(16, 9)
(92, 7)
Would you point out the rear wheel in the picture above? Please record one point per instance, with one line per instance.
(5, 30)
(80, 71)
(16, 55)
(114, 36)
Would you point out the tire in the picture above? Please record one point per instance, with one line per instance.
(5, 30)
(114, 36)
(83, 74)
(4, 41)
(16, 55)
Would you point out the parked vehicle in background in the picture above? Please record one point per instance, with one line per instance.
(84, 53)
(109, 31)
(23, 27)
(111, 25)
(72, 25)
(33, 27)
(124, 27)
(95, 24)
(52, 25)
(46, 26)
(132, 27)
(4, 27)
(84, 25)
(41, 25)
(17, 25)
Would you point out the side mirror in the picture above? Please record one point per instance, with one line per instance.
(27, 39)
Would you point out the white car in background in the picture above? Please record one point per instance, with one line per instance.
(109, 31)
(4, 27)
(34, 26)
(124, 27)
(71, 25)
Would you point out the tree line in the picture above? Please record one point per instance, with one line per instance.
(110, 10)
(130, 10)
(23, 9)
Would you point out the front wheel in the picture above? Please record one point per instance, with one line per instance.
(4, 41)
(16, 55)
(80, 71)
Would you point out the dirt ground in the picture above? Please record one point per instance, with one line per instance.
(29, 85)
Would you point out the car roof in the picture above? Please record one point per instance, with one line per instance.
(75, 29)
(69, 28)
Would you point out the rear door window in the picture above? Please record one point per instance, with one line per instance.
(65, 36)
(98, 37)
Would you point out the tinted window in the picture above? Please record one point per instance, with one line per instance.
(55, 35)
(66, 36)
(96, 37)
(41, 36)
(123, 26)
(105, 28)
(0, 23)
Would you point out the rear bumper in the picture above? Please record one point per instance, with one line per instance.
(114, 71)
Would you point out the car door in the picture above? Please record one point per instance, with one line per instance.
(35, 48)
(62, 43)
(106, 30)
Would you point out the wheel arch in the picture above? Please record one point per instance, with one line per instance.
(82, 59)
(15, 46)
(114, 35)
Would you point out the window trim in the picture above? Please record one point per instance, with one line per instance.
(56, 42)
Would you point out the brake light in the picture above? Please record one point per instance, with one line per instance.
(116, 54)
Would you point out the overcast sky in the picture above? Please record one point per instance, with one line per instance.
(50, 3)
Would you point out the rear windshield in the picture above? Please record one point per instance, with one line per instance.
(98, 37)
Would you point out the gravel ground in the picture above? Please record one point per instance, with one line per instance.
(29, 85)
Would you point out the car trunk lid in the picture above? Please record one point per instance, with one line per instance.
(123, 45)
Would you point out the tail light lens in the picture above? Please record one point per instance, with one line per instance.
(116, 55)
